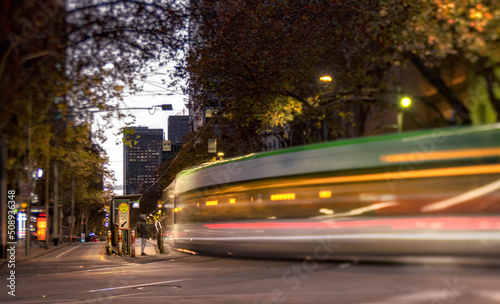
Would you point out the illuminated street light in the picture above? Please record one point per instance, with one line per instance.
(405, 102)
(109, 66)
(326, 78)
(39, 173)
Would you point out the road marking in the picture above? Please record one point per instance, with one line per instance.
(138, 285)
(67, 251)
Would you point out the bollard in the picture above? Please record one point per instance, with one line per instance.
(132, 242)
(109, 242)
(120, 244)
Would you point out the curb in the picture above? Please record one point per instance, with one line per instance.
(170, 255)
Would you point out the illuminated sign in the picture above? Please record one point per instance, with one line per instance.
(123, 216)
(41, 224)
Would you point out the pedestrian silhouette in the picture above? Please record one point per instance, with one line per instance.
(143, 233)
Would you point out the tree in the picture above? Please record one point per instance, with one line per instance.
(259, 57)
(85, 174)
(113, 45)
(55, 69)
(56, 59)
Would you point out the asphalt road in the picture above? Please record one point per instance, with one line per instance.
(81, 273)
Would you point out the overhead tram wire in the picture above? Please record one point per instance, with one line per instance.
(161, 86)
(209, 123)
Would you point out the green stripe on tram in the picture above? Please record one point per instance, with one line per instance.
(352, 141)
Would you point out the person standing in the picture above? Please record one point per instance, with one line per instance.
(143, 233)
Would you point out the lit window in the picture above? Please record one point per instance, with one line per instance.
(211, 203)
(325, 194)
(283, 196)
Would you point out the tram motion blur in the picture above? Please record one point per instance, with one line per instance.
(426, 193)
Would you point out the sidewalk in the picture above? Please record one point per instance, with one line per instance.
(151, 250)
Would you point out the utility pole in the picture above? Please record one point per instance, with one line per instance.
(55, 210)
(3, 193)
(47, 198)
(72, 218)
(28, 179)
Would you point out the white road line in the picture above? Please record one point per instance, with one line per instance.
(67, 251)
(138, 285)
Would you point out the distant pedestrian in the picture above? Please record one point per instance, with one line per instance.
(143, 233)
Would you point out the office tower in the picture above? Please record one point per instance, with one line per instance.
(141, 160)
(178, 126)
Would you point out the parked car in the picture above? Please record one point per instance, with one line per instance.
(93, 238)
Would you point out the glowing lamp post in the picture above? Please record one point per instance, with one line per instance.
(405, 102)
(326, 78)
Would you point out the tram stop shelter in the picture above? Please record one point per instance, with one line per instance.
(121, 216)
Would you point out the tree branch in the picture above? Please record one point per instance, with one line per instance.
(441, 86)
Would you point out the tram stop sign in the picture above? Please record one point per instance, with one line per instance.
(123, 216)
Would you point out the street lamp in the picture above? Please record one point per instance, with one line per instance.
(164, 107)
(37, 174)
(404, 103)
(326, 78)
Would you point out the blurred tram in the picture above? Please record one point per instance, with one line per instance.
(426, 193)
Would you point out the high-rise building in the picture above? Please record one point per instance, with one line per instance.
(178, 126)
(141, 160)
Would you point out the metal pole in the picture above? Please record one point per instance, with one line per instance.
(86, 223)
(3, 193)
(28, 180)
(400, 121)
(160, 239)
(47, 181)
(72, 219)
(55, 210)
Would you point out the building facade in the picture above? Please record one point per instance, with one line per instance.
(141, 159)
(178, 126)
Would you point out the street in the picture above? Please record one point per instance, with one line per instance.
(81, 273)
